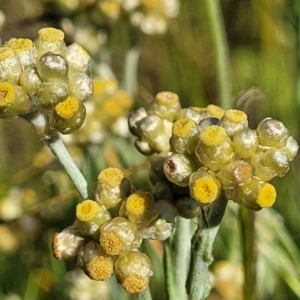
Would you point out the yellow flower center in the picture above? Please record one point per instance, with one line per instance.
(111, 176)
(101, 86)
(215, 111)
(267, 195)
(134, 283)
(100, 268)
(112, 242)
(7, 94)
(51, 35)
(166, 98)
(182, 127)
(112, 108)
(20, 45)
(6, 52)
(139, 203)
(205, 190)
(67, 108)
(87, 210)
(213, 135)
(235, 115)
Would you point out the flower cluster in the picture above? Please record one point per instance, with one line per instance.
(107, 233)
(45, 78)
(150, 16)
(201, 153)
(113, 103)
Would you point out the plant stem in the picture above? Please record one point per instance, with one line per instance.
(53, 141)
(220, 46)
(130, 78)
(247, 220)
(169, 269)
(59, 150)
(198, 285)
(182, 248)
(145, 295)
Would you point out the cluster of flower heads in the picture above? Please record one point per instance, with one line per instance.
(45, 77)
(201, 153)
(107, 110)
(150, 16)
(107, 233)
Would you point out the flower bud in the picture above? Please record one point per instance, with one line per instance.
(69, 115)
(119, 236)
(187, 207)
(232, 175)
(50, 40)
(30, 80)
(95, 262)
(13, 100)
(133, 271)
(190, 113)
(233, 120)
(156, 171)
(67, 243)
(256, 195)
(269, 164)
(178, 168)
(245, 142)
(214, 148)
(78, 59)
(52, 68)
(184, 136)
(80, 86)
(159, 230)
(24, 50)
(215, 111)
(206, 122)
(166, 105)
(139, 208)
(204, 186)
(272, 133)
(135, 119)
(49, 95)
(112, 188)
(91, 215)
(10, 66)
(291, 148)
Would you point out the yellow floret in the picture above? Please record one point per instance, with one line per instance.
(205, 190)
(112, 242)
(51, 35)
(111, 9)
(134, 283)
(6, 52)
(100, 268)
(7, 94)
(112, 108)
(182, 127)
(102, 86)
(235, 115)
(87, 210)
(111, 177)
(213, 135)
(68, 108)
(19, 45)
(215, 111)
(166, 98)
(266, 195)
(124, 99)
(139, 203)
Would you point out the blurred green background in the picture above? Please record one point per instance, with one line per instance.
(37, 198)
